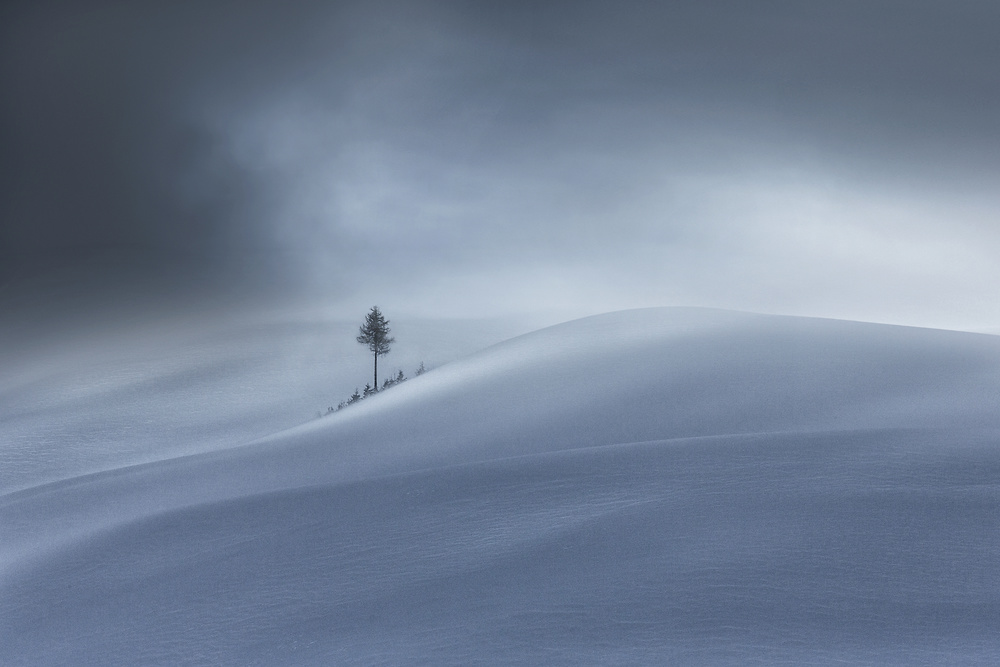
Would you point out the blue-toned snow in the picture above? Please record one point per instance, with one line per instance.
(665, 486)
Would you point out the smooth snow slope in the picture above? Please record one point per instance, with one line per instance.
(77, 401)
(657, 486)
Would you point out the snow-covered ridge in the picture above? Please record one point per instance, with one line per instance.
(623, 377)
(638, 486)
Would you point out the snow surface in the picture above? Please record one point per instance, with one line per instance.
(85, 400)
(666, 486)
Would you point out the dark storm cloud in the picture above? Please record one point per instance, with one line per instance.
(356, 146)
(103, 161)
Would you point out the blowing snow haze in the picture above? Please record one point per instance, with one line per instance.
(835, 159)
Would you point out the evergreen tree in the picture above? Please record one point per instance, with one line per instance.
(421, 370)
(375, 334)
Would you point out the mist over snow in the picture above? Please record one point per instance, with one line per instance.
(92, 397)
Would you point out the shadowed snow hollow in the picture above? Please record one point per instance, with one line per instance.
(650, 486)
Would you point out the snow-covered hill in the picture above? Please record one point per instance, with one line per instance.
(663, 486)
(78, 399)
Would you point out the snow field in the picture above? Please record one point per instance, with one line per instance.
(646, 487)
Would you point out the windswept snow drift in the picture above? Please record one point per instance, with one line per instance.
(651, 486)
(159, 387)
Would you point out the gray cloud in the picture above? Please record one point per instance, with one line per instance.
(516, 154)
(104, 158)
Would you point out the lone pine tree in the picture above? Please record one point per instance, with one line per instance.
(375, 334)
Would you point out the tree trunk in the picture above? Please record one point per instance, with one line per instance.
(375, 386)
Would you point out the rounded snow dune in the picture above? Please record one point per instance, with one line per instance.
(646, 487)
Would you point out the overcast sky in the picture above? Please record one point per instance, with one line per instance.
(824, 158)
